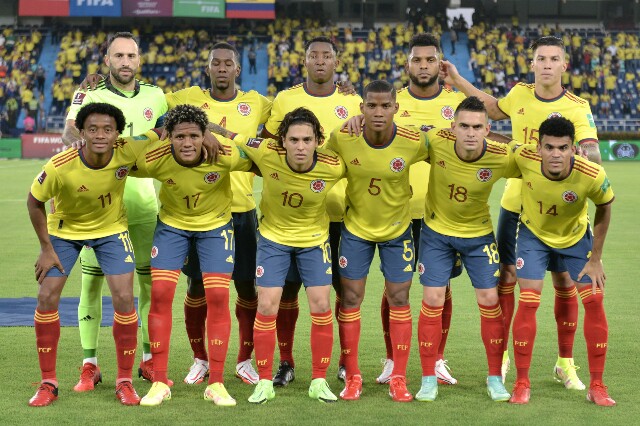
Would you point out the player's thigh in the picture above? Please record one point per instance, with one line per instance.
(532, 255)
(245, 227)
(170, 247)
(356, 255)
(506, 236)
(577, 256)
(191, 265)
(67, 252)
(314, 264)
(481, 259)
(141, 235)
(397, 258)
(115, 254)
(215, 249)
(273, 261)
(437, 258)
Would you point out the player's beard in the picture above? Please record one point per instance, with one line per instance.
(221, 85)
(121, 80)
(423, 85)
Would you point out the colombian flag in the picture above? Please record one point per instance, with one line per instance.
(251, 9)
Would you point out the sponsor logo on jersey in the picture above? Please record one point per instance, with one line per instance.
(408, 268)
(497, 273)
(83, 188)
(148, 114)
(426, 127)
(274, 175)
(355, 162)
(397, 164)
(229, 259)
(128, 259)
(318, 185)
(343, 262)
(259, 271)
(341, 112)
(420, 268)
(554, 115)
(42, 177)
(244, 109)
(211, 177)
(122, 172)
(521, 111)
(447, 112)
(442, 164)
(519, 263)
(484, 175)
(170, 182)
(254, 142)
(154, 252)
(204, 106)
(569, 197)
(79, 98)
(328, 271)
(405, 113)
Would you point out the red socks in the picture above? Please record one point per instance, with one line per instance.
(47, 325)
(447, 311)
(566, 312)
(163, 289)
(507, 304)
(216, 290)
(195, 317)
(321, 343)
(286, 326)
(400, 329)
(246, 315)
(125, 334)
(429, 336)
(264, 339)
(596, 331)
(492, 331)
(524, 331)
(349, 323)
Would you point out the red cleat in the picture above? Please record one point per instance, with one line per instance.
(352, 389)
(126, 394)
(598, 395)
(89, 378)
(145, 370)
(45, 395)
(398, 389)
(521, 392)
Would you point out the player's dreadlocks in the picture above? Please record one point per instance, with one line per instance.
(300, 116)
(103, 109)
(558, 127)
(185, 114)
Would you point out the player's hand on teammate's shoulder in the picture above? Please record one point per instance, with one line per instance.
(90, 82)
(212, 147)
(448, 72)
(354, 125)
(594, 270)
(47, 260)
(346, 88)
(77, 144)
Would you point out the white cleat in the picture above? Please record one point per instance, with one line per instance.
(443, 373)
(246, 372)
(387, 369)
(198, 371)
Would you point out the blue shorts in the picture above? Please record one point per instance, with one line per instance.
(438, 257)
(215, 248)
(114, 253)
(416, 227)
(396, 256)
(274, 260)
(245, 227)
(533, 257)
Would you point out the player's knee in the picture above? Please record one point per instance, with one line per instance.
(488, 298)
(195, 287)
(47, 300)
(268, 306)
(507, 273)
(561, 279)
(122, 298)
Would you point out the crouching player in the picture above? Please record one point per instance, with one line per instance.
(294, 225)
(554, 224)
(196, 207)
(87, 186)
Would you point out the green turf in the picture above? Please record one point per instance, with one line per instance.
(465, 403)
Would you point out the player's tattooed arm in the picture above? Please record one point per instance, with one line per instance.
(592, 151)
(219, 130)
(499, 137)
(346, 88)
(71, 135)
(91, 81)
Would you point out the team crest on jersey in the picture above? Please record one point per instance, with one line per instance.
(342, 261)
(122, 172)
(420, 268)
(244, 109)
(318, 185)
(211, 177)
(426, 127)
(259, 271)
(341, 112)
(569, 197)
(447, 112)
(79, 98)
(484, 175)
(154, 252)
(397, 164)
(554, 115)
(254, 142)
(519, 263)
(148, 114)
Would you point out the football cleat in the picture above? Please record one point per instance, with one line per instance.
(429, 390)
(197, 372)
(565, 373)
(159, 392)
(45, 395)
(126, 394)
(598, 395)
(263, 392)
(506, 364)
(496, 389)
(217, 393)
(443, 373)
(90, 376)
(145, 370)
(321, 391)
(246, 372)
(342, 373)
(521, 392)
(398, 389)
(284, 375)
(352, 389)
(387, 369)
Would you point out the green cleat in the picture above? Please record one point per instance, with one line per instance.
(429, 389)
(565, 372)
(321, 391)
(263, 392)
(496, 389)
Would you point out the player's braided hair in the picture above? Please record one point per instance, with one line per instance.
(547, 41)
(226, 46)
(425, 40)
(473, 104)
(308, 44)
(379, 86)
(300, 116)
(186, 114)
(558, 127)
(103, 109)
(121, 34)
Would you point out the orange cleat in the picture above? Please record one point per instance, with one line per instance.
(398, 389)
(352, 389)
(145, 370)
(90, 376)
(45, 395)
(598, 395)
(521, 392)
(126, 394)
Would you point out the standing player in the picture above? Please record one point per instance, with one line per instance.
(527, 105)
(321, 96)
(87, 186)
(232, 108)
(554, 223)
(377, 215)
(294, 225)
(142, 105)
(464, 167)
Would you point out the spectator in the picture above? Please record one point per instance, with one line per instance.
(12, 109)
(29, 124)
(454, 39)
(252, 61)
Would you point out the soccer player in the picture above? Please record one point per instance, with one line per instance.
(527, 105)
(321, 96)
(464, 167)
(554, 223)
(377, 215)
(87, 186)
(228, 107)
(142, 105)
(195, 209)
(294, 224)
